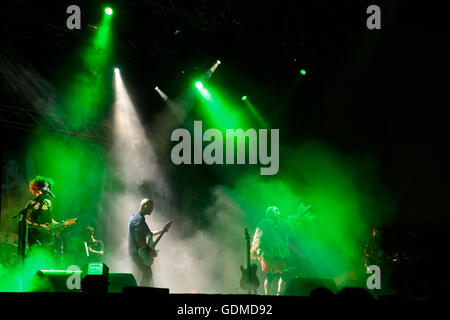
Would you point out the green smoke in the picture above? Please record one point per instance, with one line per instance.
(17, 278)
(89, 85)
(346, 196)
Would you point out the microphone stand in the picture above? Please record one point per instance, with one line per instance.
(23, 232)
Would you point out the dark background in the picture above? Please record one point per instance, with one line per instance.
(380, 91)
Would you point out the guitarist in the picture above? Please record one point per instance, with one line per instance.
(39, 213)
(138, 231)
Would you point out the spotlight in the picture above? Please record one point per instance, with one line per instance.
(162, 94)
(218, 62)
(199, 85)
(303, 72)
(109, 11)
(116, 70)
(244, 98)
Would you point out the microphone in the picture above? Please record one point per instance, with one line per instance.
(48, 192)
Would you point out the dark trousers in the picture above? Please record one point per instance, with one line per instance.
(140, 269)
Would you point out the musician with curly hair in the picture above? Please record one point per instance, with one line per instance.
(39, 213)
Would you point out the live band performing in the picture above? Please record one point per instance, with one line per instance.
(201, 150)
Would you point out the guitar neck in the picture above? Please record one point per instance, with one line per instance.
(157, 239)
(248, 253)
(61, 225)
(247, 239)
(55, 226)
(154, 243)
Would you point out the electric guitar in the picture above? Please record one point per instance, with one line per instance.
(148, 257)
(47, 232)
(53, 228)
(249, 279)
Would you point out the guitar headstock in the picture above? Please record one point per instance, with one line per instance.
(167, 226)
(247, 235)
(70, 222)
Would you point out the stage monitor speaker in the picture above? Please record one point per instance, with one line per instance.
(119, 281)
(54, 281)
(57, 281)
(304, 286)
(95, 278)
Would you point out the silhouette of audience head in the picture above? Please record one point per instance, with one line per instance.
(322, 293)
(354, 294)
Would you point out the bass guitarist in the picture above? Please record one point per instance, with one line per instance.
(138, 231)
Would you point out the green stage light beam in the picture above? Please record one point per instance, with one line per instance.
(223, 112)
(254, 112)
(109, 11)
(88, 89)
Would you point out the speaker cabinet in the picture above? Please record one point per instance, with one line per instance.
(55, 281)
(66, 280)
(119, 281)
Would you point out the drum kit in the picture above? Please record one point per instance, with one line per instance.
(8, 249)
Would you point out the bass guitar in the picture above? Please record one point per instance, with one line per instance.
(148, 257)
(249, 279)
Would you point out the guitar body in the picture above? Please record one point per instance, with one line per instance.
(249, 279)
(147, 258)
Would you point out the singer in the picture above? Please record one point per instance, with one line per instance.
(39, 215)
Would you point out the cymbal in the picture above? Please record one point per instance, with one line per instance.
(9, 237)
